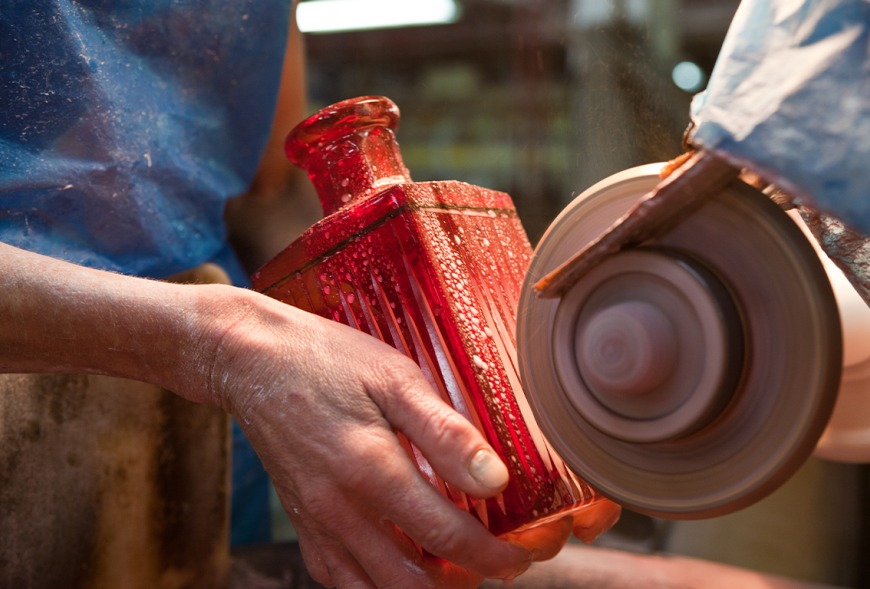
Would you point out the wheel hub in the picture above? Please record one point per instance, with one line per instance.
(691, 376)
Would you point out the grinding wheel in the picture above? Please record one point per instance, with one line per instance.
(691, 376)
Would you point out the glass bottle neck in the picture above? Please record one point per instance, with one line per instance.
(355, 167)
(349, 150)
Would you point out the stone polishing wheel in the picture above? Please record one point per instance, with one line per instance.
(689, 377)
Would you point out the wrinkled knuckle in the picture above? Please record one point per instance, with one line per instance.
(394, 366)
(398, 375)
(371, 460)
(316, 502)
(316, 506)
(447, 542)
(319, 575)
(447, 429)
(358, 473)
(316, 567)
(412, 399)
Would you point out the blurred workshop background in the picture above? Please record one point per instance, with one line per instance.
(541, 99)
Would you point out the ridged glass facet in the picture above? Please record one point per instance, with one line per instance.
(435, 270)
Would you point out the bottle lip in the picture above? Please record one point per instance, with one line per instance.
(354, 115)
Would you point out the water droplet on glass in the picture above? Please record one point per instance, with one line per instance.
(445, 290)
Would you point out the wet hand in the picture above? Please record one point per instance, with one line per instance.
(321, 403)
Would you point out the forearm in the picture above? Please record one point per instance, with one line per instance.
(319, 400)
(601, 568)
(59, 317)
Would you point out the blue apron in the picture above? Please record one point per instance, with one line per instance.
(125, 125)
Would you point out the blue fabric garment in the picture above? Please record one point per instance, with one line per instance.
(789, 97)
(125, 125)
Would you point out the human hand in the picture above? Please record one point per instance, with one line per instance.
(602, 568)
(319, 400)
(321, 403)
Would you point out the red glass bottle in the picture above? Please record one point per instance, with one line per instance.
(435, 270)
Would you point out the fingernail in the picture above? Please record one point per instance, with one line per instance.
(488, 470)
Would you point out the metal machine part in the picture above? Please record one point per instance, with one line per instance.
(692, 375)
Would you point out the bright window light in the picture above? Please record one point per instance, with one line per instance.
(329, 16)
